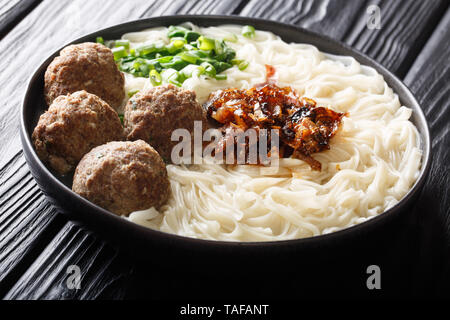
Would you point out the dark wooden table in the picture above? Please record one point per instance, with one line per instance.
(37, 244)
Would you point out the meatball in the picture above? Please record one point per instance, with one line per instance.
(72, 126)
(123, 177)
(152, 115)
(86, 66)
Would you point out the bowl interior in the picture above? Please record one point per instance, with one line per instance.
(34, 105)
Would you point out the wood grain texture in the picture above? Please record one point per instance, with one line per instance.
(12, 11)
(51, 25)
(405, 25)
(27, 221)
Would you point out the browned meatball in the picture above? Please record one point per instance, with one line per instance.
(153, 114)
(86, 66)
(123, 177)
(72, 126)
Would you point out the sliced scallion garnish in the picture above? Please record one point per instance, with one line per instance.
(122, 43)
(243, 65)
(187, 54)
(119, 52)
(155, 78)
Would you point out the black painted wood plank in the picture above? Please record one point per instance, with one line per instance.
(404, 28)
(27, 221)
(12, 11)
(420, 248)
(429, 79)
(333, 18)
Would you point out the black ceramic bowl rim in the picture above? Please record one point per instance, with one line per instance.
(40, 171)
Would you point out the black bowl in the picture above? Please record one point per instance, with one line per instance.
(141, 241)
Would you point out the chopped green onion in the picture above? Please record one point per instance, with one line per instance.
(137, 64)
(200, 70)
(122, 43)
(150, 48)
(145, 68)
(248, 31)
(199, 53)
(206, 43)
(155, 78)
(100, 40)
(221, 66)
(176, 62)
(178, 42)
(171, 49)
(141, 66)
(165, 59)
(241, 64)
(119, 52)
(188, 47)
(146, 49)
(171, 76)
(176, 82)
(121, 120)
(132, 93)
(191, 70)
